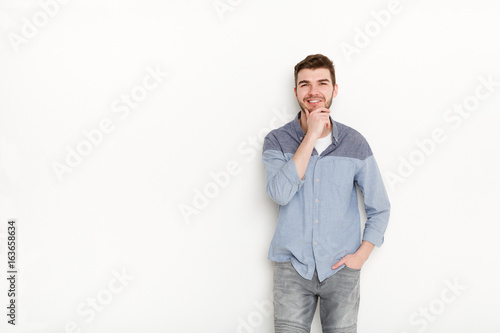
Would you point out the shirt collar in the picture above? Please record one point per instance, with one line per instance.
(300, 133)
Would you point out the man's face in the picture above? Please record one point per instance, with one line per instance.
(315, 89)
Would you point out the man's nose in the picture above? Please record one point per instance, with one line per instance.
(313, 89)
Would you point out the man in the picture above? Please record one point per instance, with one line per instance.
(312, 166)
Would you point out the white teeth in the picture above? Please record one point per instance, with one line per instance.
(314, 101)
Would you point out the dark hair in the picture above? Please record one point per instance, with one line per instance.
(314, 61)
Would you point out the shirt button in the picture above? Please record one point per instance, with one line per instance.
(315, 243)
(317, 200)
(317, 180)
(316, 221)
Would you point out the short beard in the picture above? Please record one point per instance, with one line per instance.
(328, 104)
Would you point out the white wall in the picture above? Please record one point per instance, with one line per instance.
(229, 81)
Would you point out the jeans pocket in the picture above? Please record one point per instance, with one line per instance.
(352, 269)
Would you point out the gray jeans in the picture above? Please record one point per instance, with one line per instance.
(296, 298)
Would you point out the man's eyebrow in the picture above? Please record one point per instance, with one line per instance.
(306, 81)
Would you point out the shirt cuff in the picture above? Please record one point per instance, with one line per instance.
(291, 173)
(373, 236)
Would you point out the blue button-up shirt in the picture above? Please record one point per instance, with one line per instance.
(318, 219)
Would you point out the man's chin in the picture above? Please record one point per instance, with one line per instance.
(311, 108)
(315, 107)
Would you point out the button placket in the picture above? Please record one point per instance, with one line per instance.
(316, 201)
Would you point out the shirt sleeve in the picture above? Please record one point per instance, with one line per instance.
(282, 178)
(376, 201)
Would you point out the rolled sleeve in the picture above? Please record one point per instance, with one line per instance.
(376, 201)
(282, 178)
(290, 172)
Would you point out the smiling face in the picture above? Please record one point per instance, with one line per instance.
(314, 89)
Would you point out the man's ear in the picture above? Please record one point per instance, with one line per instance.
(295, 91)
(335, 90)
